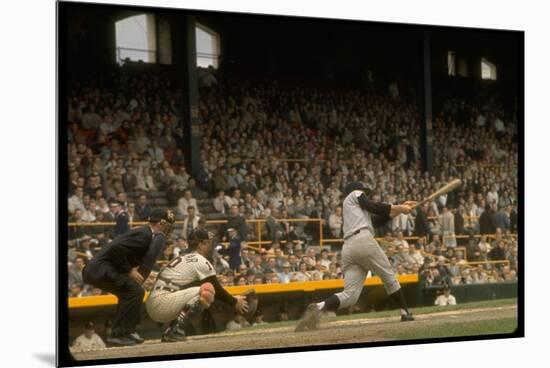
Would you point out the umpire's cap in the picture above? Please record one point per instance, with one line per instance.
(197, 235)
(354, 185)
(159, 214)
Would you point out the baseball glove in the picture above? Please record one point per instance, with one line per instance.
(252, 300)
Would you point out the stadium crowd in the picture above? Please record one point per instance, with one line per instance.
(275, 153)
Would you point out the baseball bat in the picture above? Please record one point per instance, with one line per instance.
(444, 189)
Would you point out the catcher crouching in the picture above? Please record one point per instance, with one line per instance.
(187, 286)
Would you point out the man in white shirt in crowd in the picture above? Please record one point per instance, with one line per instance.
(186, 201)
(446, 298)
(335, 222)
(222, 202)
(89, 340)
(447, 221)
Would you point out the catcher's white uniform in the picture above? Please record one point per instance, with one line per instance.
(177, 284)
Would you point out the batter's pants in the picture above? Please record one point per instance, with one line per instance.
(360, 254)
(129, 293)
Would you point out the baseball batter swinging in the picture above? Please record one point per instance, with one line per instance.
(360, 254)
(187, 286)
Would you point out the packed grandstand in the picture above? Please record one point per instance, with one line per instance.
(274, 162)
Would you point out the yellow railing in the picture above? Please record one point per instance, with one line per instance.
(308, 286)
(256, 244)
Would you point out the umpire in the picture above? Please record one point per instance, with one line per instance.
(121, 267)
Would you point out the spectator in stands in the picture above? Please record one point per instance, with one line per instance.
(90, 214)
(403, 223)
(310, 258)
(236, 199)
(248, 186)
(294, 262)
(486, 223)
(416, 255)
(75, 291)
(492, 196)
(302, 274)
(479, 276)
(196, 192)
(335, 222)
(285, 275)
(143, 210)
(75, 271)
(473, 252)
(186, 201)
(121, 219)
(513, 216)
(145, 181)
(454, 270)
(76, 200)
(513, 258)
(273, 228)
(421, 224)
(173, 194)
(236, 221)
(190, 223)
(222, 203)
(446, 298)
(256, 208)
(447, 221)
(484, 247)
(234, 249)
(89, 340)
(443, 271)
(498, 253)
(501, 219)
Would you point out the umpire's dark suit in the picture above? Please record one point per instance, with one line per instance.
(109, 269)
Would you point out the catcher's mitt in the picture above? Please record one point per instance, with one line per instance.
(252, 300)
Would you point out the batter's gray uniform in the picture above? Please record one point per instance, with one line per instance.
(361, 251)
(177, 284)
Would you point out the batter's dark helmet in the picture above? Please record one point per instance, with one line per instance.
(354, 185)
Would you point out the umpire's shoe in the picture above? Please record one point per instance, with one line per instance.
(407, 317)
(135, 336)
(310, 320)
(113, 341)
(173, 333)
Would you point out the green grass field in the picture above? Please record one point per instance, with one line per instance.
(497, 326)
(416, 311)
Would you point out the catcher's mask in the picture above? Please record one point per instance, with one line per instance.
(166, 218)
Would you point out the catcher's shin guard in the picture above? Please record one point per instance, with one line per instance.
(176, 331)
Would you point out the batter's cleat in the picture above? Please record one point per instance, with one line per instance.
(310, 320)
(135, 336)
(113, 341)
(407, 317)
(173, 333)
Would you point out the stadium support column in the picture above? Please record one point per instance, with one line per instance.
(191, 101)
(425, 106)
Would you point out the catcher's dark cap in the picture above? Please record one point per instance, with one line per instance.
(200, 234)
(162, 214)
(354, 185)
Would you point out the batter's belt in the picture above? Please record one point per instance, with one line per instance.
(356, 232)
